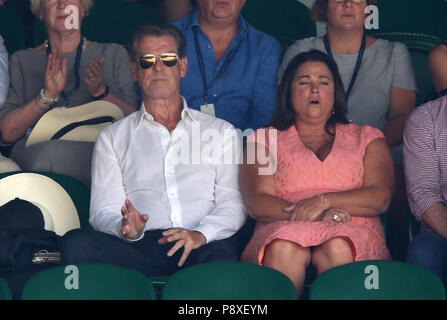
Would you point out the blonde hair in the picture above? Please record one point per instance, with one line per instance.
(35, 6)
(318, 12)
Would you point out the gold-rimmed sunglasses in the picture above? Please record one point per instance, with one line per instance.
(169, 59)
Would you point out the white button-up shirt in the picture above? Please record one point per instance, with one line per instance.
(4, 73)
(185, 178)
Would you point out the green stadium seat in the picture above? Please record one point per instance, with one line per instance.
(229, 281)
(395, 281)
(427, 17)
(12, 30)
(78, 191)
(419, 47)
(109, 21)
(286, 20)
(5, 292)
(91, 281)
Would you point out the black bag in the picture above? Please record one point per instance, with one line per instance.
(22, 237)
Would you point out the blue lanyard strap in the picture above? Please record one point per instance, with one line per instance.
(357, 65)
(202, 65)
(76, 70)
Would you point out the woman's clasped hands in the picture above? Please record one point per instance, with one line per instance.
(313, 209)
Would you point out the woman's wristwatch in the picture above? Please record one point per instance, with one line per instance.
(102, 96)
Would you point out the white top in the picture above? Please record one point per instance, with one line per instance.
(186, 178)
(4, 73)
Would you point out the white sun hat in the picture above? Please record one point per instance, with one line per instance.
(58, 210)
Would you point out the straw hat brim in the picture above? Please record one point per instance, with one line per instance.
(81, 123)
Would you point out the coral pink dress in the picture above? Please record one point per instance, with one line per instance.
(301, 175)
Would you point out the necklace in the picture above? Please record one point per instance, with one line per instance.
(84, 43)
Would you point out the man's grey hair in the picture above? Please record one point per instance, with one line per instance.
(157, 30)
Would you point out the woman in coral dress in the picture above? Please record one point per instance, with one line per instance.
(318, 183)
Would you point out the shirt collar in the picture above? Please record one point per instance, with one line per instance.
(193, 20)
(185, 114)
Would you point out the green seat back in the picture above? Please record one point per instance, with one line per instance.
(286, 20)
(427, 16)
(78, 191)
(12, 30)
(395, 281)
(5, 292)
(419, 47)
(94, 282)
(229, 281)
(109, 21)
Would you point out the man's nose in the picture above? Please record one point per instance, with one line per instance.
(158, 65)
(348, 2)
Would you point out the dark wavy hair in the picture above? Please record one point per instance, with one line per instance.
(284, 115)
(157, 30)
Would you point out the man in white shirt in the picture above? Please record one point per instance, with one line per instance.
(4, 74)
(157, 185)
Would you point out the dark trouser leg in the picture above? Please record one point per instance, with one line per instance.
(145, 255)
(220, 250)
(429, 250)
(397, 236)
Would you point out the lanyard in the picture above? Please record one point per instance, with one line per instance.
(357, 65)
(76, 70)
(207, 87)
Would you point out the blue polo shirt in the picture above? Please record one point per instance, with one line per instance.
(245, 95)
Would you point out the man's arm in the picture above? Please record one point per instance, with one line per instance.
(438, 66)
(402, 102)
(422, 171)
(264, 90)
(229, 213)
(110, 212)
(436, 217)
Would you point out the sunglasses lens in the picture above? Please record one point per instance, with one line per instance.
(169, 60)
(146, 62)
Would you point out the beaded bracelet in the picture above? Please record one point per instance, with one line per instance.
(47, 100)
(40, 106)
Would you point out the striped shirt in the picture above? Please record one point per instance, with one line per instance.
(425, 157)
